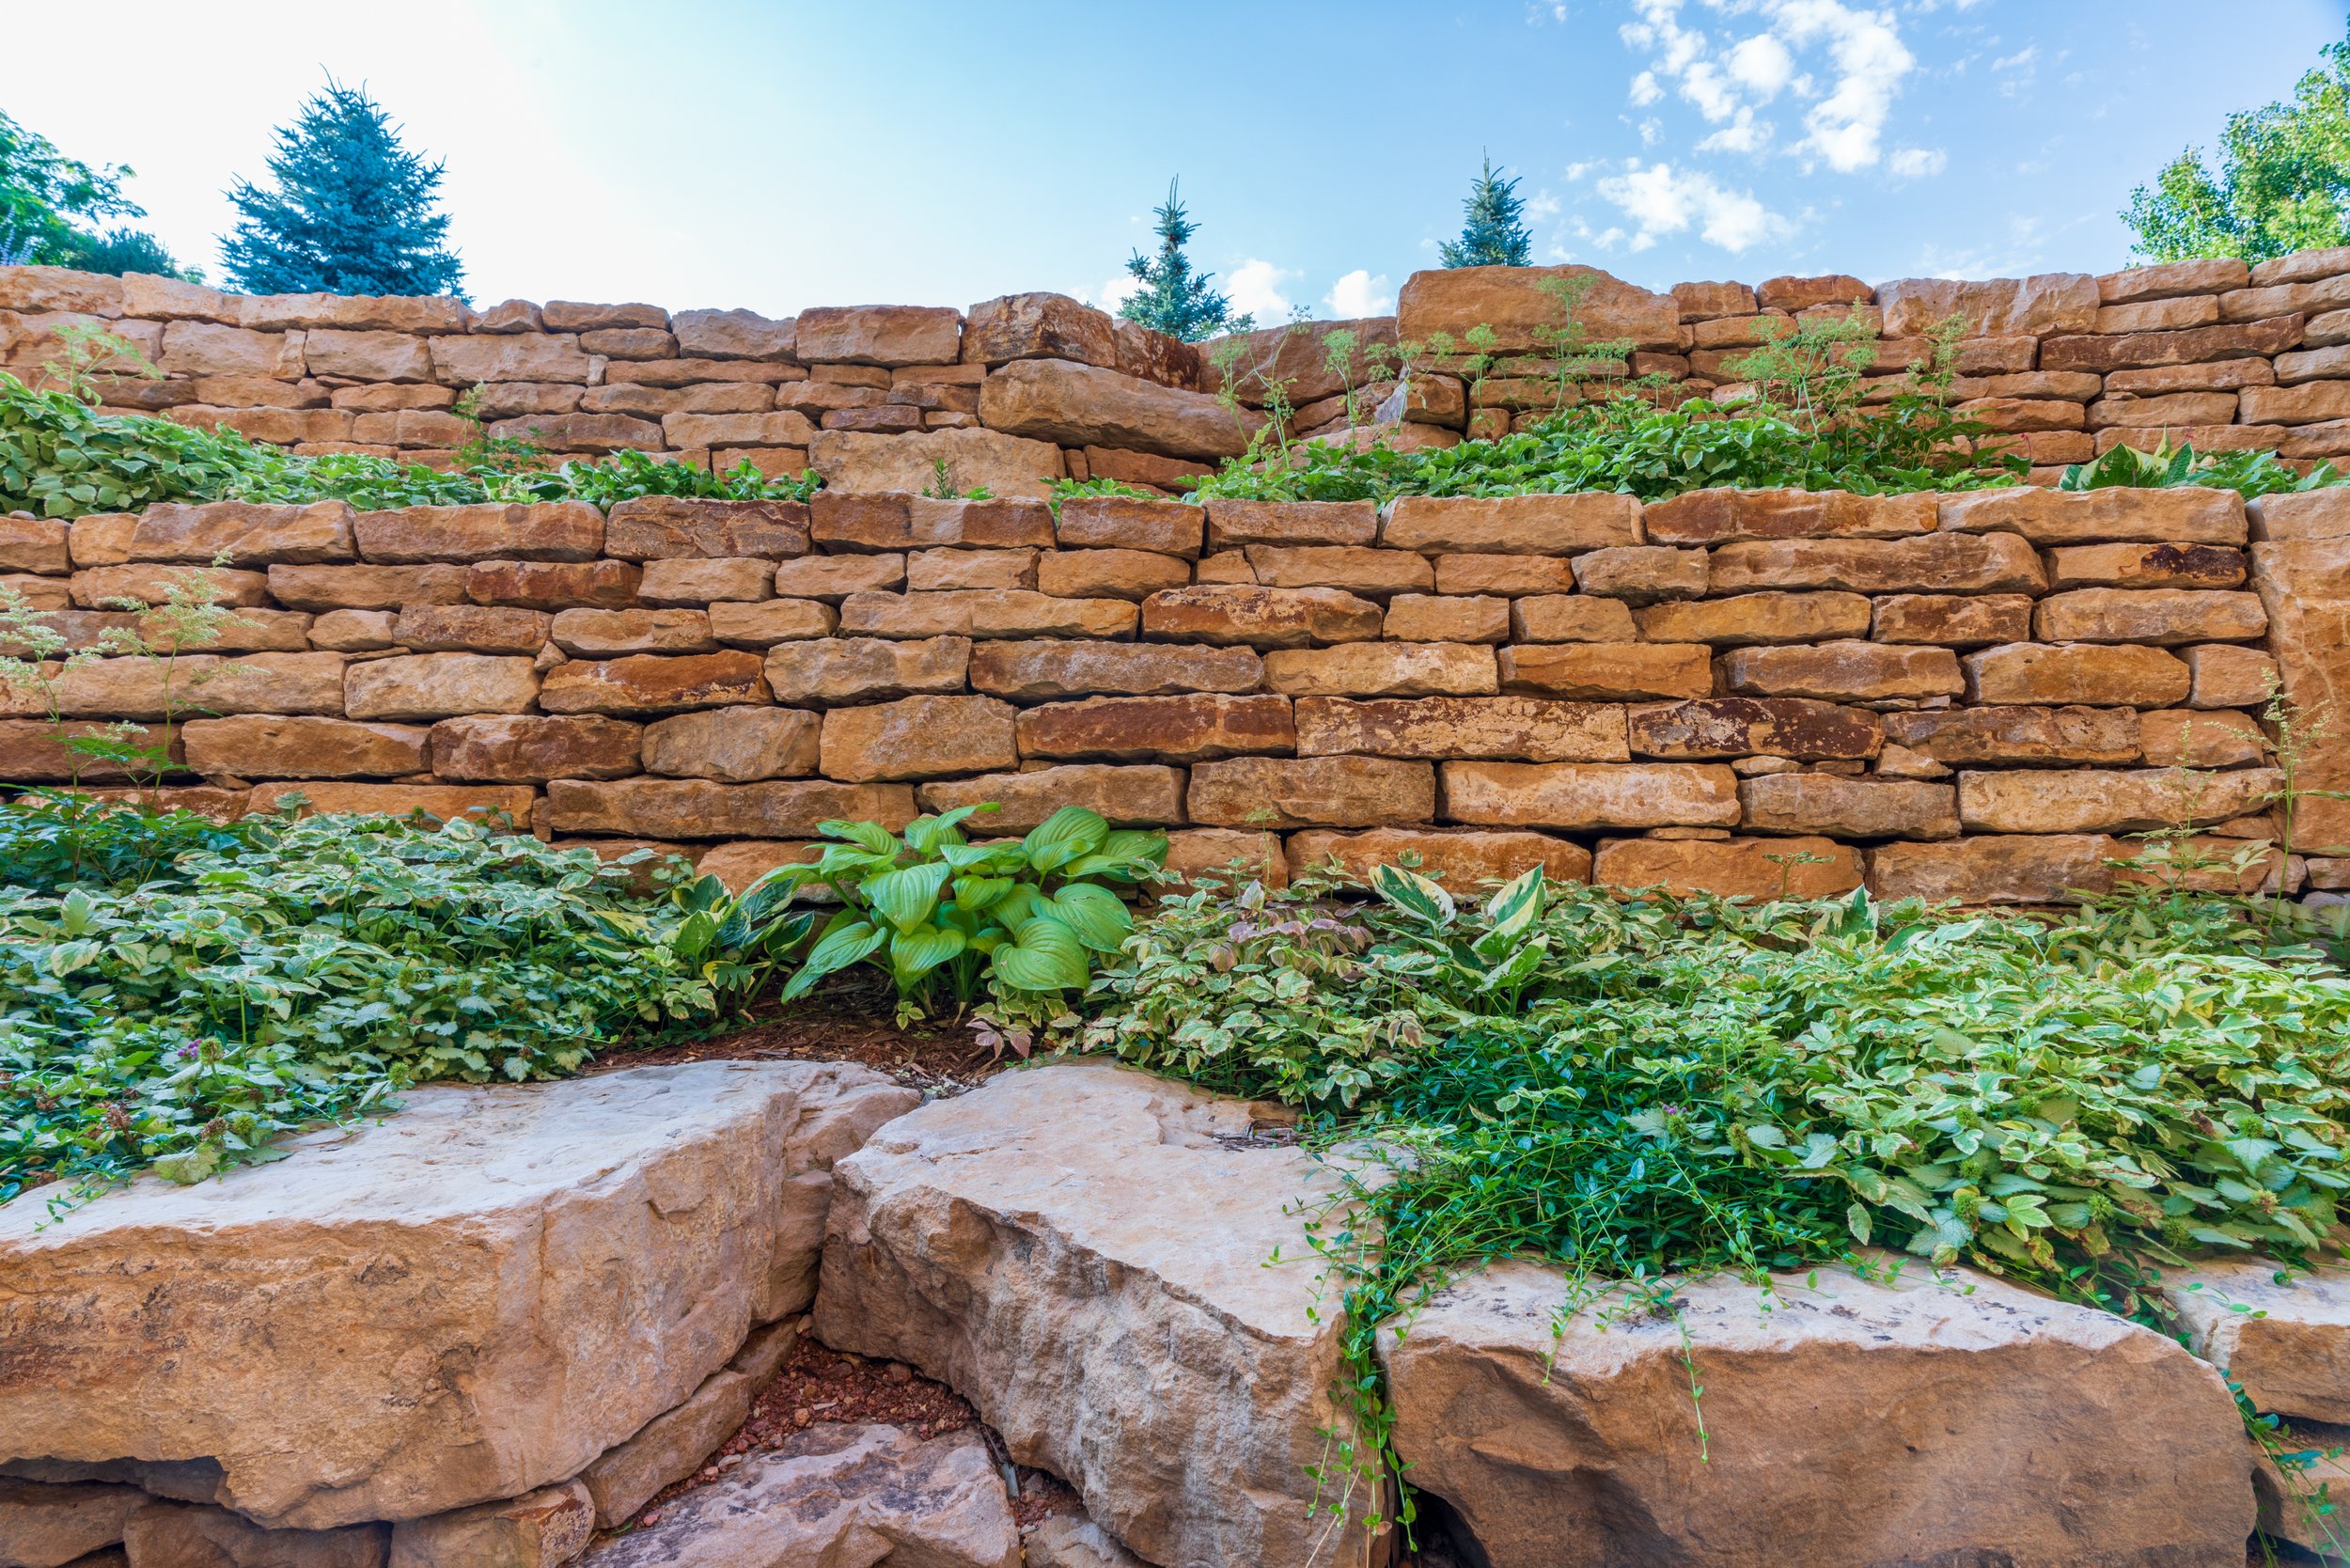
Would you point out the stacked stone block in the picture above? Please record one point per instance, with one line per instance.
(1970, 696)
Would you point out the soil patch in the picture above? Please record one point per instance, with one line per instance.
(844, 1024)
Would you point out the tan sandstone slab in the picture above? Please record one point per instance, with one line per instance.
(1462, 860)
(1796, 867)
(1584, 795)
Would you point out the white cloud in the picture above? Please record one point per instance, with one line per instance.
(1870, 61)
(1762, 64)
(1918, 162)
(1358, 294)
(1254, 287)
(2023, 57)
(1744, 133)
(1644, 89)
(1660, 200)
(1542, 205)
(1113, 294)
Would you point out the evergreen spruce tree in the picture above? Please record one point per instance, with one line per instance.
(353, 212)
(1492, 236)
(1171, 299)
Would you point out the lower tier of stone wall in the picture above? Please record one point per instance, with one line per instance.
(1971, 696)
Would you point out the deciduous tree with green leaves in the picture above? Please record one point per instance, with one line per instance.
(2282, 182)
(1172, 298)
(1491, 235)
(44, 198)
(352, 211)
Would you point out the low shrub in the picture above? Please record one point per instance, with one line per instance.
(2248, 473)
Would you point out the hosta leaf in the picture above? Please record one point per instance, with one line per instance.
(1412, 893)
(1068, 834)
(905, 897)
(839, 947)
(872, 837)
(916, 953)
(1043, 955)
(1095, 914)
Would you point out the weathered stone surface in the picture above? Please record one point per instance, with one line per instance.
(1142, 795)
(1462, 860)
(1728, 516)
(672, 1445)
(1293, 522)
(2018, 1430)
(879, 335)
(1038, 327)
(1516, 728)
(246, 533)
(1357, 567)
(2162, 616)
(655, 527)
(1312, 791)
(144, 689)
(1609, 671)
(1179, 728)
(919, 737)
(470, 629)
(832, 578)
(1570, 617)
(1510, 576)
(2088, 800)
(1047, 669)
(893, 523)
(554, 585)
(1123, 522)
(1757, 617)
(1942, 562)
(700, 809)
(937, 571)
(2186, 514)
(1849, 807)
(653, 683)
(539, 1530)
(174, 1535)
(733, 745)
(1065, 1541)
(854, 462)
(109, 587)
(1514, 303)
(2028, 736)
(657, 1214)
(48, 1524)
(364, 587)
(1643, 573)
(1745, 727)
(504, 809)
(765, 623)
(1264, 617)
(1059, 400)
(1584, 795)
(1790, 868)
(529, 748)
(1109, 574)
(1511, 525)
(539, 531)
(741, 864)
(600, 634)
(2040, 306)
(1996, 869)
(1182, 1406)
(2285, 1342)
(832, 671)
(2305, 585)
(303, 747)
(2185, 738)
(984, 613)
(2308, 514)
(2228, 676)
(2117, 676)
(701, 580)
(1953, 620)
(33, 750)
(1383, 669)
(1842, 671)
(1209, 852)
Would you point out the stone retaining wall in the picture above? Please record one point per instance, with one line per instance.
(1028, 388)
(1966, 695)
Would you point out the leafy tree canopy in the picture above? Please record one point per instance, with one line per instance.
(1172, 297)
(44, 198)
(352, 211)
(2282, 182)
(1492, 234)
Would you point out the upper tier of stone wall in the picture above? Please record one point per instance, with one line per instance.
(1970, 696)
(1023, 390)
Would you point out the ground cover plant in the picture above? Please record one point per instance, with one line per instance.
(1642, 1088)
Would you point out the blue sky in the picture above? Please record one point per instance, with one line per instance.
(778, 156)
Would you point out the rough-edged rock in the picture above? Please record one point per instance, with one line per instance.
(301, 747)
(1818, 803)
(2020, 735)
(1127, 523)
(1609, 671)
(1514, 729)
(2095, 674)
(826, 671)
(1584, 795)
(1463, 860)
(735, 745)
(1791, 868)
(1400, 669)
(1312, 791)
(919, 737)
(176, 1535)
(836, 1497)
(655, 683)
(359, 1332)
(1729, 516)
(2289, 1344)
(1997, 867)
(248, 534)
(1796, 727)
(854, 460)
(544, 1529)
(879, 335)
(1512, 524)
(1141, 795)
(702, 809)
(49, 1523)
(2091, 800)
(2305, 585)
(531, 748)
(2186, 514)
(1065, 1541)
(1080, 1251)
(1059, 400)
(1266, 618)
(1047, 669)
(1516, 304)
(1186, 727)
(1850, 1424)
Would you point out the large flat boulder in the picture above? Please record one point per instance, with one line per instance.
(2287, 1341)
(1005, 465)
(1848, 1424)
(1059, 400)
(468, 1300)
(1080, 1251)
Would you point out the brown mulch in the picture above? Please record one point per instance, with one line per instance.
(939, 1057)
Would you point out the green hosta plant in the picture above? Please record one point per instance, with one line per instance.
(2249, 473)
(737, 944)
(1020, 920)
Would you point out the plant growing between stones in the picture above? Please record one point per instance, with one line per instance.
(2247, 473)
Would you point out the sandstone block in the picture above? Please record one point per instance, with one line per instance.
(2306, 403)
(1355, 568)
(246, 533)
(174, 1535)
(1123, 522)
(944, 570)
(99, 538)
(1243, 522)
(2161, 616)
(470, 629)
(980, 612)
(206, 349)
(499, 1205)
(2304, 584)
(2225, 677)
(1047, 670)
(554, 585)
(2028, 736)
(919, 737)
(1197, 853)
(1757, 617)
(832, 578)
(1144, 795)
(827, 673)
(1038, 327)
(1580, 796)
(766, 624)
(426, 686)
(1788, 868)
(1571, 617)
(1517, 728)
(1511, 525)
(1744, 726)
(2096, 801)
(298, 746)
(1642, 575)
(1515, 303)
(657, 527)
(1185, 728)
(529, 748)
(2189, 514)
(698, 580)
(879, 335)
(655, 683)
(1463, 861)
(364, 587)
(1942, 562)
(1312, 791)
(1061, 401)
(506, 809)
(740, 865)
(2185, 738)
(602, 633)
(109, 587)
(1263, 618)
(47, 1525)
(1849, 807)
(2115, 677)
(733, 745)
(1996, 869)
(732, 335)
(1842, 671)
(551, 531)
(1729, 516)
(539, 1530)
(2282, 1342)
(1383, 669)
(1953, 620)
(462, 361)
(854, 461)
(700, 809)
(1609, 671)
(1432, 618)
(784, 427)
(1109, 574)
(2146, 566)
(1509, 575)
